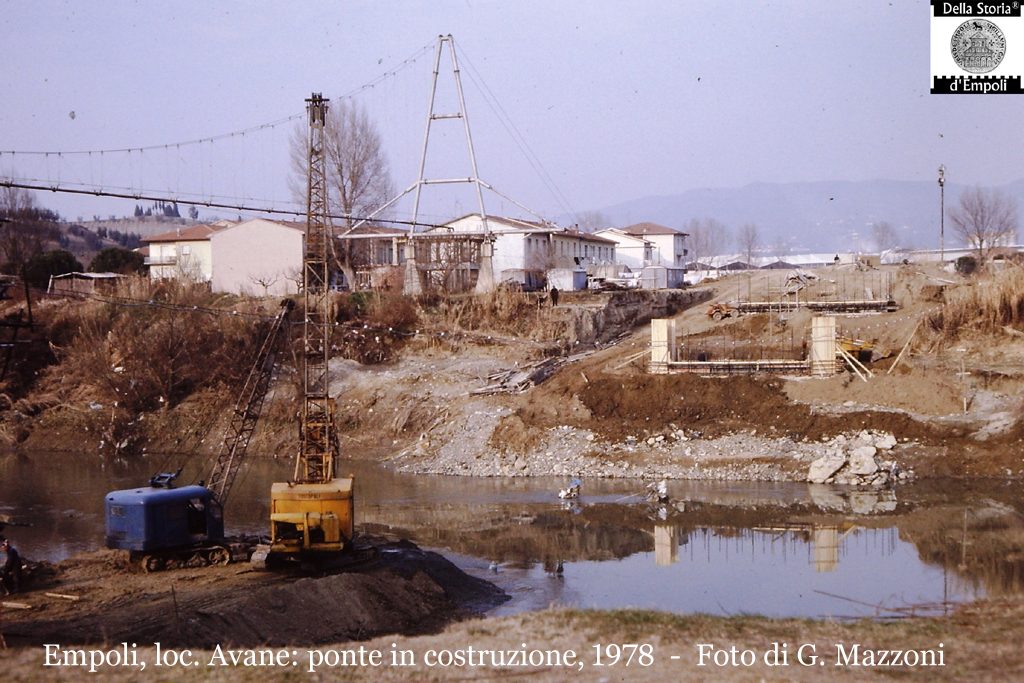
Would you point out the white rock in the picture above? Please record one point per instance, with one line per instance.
(863, 503)
(824, 467)
(885, 442)
(862, 460)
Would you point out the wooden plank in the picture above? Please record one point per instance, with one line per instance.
(64, 596)
(904, 349)
(851, 362)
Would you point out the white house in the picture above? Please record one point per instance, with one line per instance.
(630, 250)
(257, 257)
(183, 253)
(525, 250)
(669, 245)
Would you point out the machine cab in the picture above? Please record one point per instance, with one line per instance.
(154, 518)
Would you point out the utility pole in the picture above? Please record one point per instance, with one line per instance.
(942, 213)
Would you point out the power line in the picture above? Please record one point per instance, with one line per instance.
(517, 137)
(148, 148)
(140, 196)
(411, 59)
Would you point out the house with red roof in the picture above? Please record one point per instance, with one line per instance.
(257, 257)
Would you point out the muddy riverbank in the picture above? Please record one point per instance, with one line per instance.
(395, 588)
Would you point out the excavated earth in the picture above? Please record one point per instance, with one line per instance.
(402, 590)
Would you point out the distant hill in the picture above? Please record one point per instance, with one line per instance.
(812, 216)
(145, 226)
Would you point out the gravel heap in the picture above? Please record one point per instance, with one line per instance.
(675, 454)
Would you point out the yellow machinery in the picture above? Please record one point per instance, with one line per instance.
(313, 513)
(311, 517)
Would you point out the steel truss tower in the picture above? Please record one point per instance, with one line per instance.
(318, 443)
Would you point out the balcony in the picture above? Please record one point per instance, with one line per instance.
(168, 260)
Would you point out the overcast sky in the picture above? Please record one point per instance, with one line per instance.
(617, 100)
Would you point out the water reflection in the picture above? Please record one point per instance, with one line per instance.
(720, 547)
(666, 544)
(868, 573)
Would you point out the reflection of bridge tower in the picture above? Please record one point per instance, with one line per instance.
(666, 544)
(825, 548)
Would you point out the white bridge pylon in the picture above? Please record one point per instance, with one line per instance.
(485, 278)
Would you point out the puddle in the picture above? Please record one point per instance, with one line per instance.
(720, 548)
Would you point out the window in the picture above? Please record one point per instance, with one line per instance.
(186, 250)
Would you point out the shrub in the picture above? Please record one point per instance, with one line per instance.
(41, 267)
(375, 325)
(117, 260)
(966, 265)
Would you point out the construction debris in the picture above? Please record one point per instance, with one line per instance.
(518, 380)
(854, 462)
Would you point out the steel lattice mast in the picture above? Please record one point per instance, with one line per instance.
(247, 411)
(318, 443)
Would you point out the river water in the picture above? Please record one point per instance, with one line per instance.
(718, 548)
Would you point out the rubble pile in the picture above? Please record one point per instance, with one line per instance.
(858, 461)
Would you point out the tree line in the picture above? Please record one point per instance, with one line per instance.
(28, 230)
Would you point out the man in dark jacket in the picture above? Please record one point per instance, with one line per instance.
(10, 566)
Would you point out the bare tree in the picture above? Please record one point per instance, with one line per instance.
(24, 227)
(985, 219)
(591, 221)
(707, 239)
(265, 281)
(885, 236)
(748, 239)
(357, 169)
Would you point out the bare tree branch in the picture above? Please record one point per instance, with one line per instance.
(985, 219)
(748, 239)
(592, 221)
(707, 239)
(358, 175)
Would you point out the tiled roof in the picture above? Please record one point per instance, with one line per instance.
(586, 236)
(649, 229)
(190, 234)
(514, 222)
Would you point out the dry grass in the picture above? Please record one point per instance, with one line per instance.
(993, 303)
(114, 362)
(375, 325)
(502, 311)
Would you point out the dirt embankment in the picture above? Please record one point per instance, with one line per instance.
(641, 405)
(949, 402)
(404, 590)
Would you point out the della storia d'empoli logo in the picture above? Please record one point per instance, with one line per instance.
(978, 46)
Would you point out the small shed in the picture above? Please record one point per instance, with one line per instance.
(568, 279)
(82, 283)
(662, 277)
